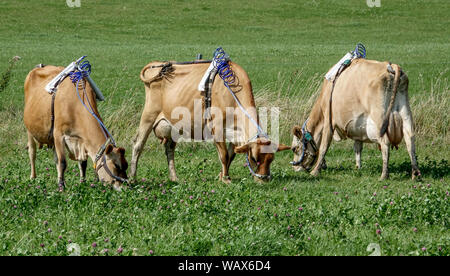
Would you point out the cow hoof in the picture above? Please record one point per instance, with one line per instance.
(261, 180)
(61, 186)
(384, 177)
(117, 187)
(416, 175)
(315, 173)
(132, 176)
(226, 179)
(61, 183)
(174, 179)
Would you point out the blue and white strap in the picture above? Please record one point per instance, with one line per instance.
(221, 60)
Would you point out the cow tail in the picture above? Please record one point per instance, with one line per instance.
(165, 71)
(392, 101)
(142, 75)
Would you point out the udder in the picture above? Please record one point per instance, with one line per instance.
(163, 130)
(362, 129)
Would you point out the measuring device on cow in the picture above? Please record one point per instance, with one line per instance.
(77, 66)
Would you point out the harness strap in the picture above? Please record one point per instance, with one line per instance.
(192, 62)
(208, 89)
(339, 72)
(108, 171)
(262, 176)
(307, 138)
(166, 63)
(101, 150)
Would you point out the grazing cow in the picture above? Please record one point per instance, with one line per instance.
(169, 86)
(73, 128)
(369, 104)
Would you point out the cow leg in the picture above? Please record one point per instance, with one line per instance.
(225, 160)
(231, 154)
(324, 145)
(145, 127)
(357, 147)
(82, 165)
(61, 161)
(408, 134)
(170, 154)
(32, 154)
(55, 157)
(385, 154)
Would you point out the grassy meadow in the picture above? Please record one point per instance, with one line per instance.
(286, 47)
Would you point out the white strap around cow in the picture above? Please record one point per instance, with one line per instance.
(359, 52)
(202, 84)
(52, 86)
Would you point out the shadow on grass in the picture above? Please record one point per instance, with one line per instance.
(435, 169)
(298, 178)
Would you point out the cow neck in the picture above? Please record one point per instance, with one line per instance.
(95, 137)
(94, 142)
(251, 132)
(315, 121)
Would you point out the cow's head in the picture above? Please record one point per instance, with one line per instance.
(304, 148)
(112, 166)
(260, 155)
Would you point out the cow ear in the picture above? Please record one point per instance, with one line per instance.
(242, 149)
(282, 147)
(297, 131)
(121, 151)
(109, 149)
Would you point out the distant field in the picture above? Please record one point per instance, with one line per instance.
(286, 47)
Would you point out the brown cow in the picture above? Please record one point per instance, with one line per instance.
(74, 129)
(166, 93)
(369, 105)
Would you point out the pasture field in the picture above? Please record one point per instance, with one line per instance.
(286, 47)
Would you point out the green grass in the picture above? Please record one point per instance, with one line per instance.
(286, 47)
